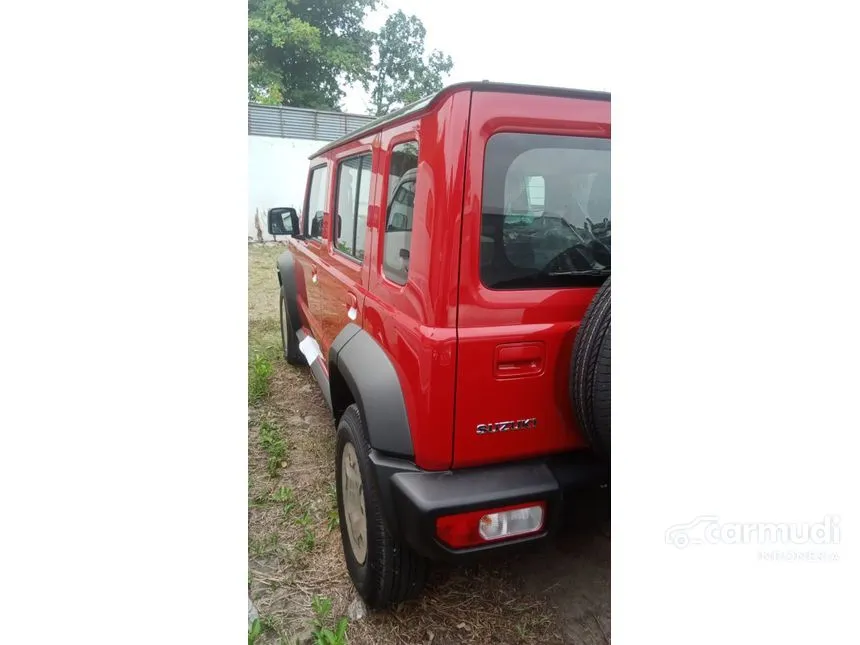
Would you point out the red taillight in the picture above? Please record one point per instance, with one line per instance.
(491, 525)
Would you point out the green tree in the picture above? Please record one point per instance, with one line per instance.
(301, 52)
(401, 74)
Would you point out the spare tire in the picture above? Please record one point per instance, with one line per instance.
(590, 389)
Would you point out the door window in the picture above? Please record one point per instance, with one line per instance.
(401, 204)
(352, 203)
(315, 206)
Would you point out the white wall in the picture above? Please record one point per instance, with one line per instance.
(277, 174)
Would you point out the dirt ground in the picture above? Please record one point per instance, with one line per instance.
(558, 594)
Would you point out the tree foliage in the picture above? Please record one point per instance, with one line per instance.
(401, 74)
(304, 52)
(301, 52)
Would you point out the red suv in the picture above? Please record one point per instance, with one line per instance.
(448, 286)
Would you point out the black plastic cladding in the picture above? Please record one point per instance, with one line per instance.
(287, 276)
(377, 391)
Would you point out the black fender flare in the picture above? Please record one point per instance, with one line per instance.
(360, 369)
(288, 280)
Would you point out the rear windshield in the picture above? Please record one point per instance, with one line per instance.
(545, 211)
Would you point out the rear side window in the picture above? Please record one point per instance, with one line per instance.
(352, 202)
(401, 204)
(546, 211)
(315, 205)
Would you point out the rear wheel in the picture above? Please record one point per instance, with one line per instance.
(384, 570)
(288, 336)
(590, 381)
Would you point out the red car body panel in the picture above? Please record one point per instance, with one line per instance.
(489, 320)
(465, 355)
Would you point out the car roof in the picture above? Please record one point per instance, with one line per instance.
(428, 102)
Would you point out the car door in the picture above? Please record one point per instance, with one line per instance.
(527, 271)
(341, 284)
(309, 249)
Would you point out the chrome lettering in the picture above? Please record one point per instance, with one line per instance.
(507, 426)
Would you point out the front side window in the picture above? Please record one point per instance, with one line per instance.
(353, 200)
(315, 206)
(546, 211)
(401, 204)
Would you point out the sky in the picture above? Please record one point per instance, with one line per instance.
(541, 42)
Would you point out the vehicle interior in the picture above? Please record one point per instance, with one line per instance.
(546, 215)
(398, 229)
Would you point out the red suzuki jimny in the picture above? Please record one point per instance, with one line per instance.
(448, 285)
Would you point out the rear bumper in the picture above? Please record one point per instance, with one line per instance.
(414, 498)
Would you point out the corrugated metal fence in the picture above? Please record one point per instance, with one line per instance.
(300, 123)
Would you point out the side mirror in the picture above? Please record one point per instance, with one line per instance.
(283, 221)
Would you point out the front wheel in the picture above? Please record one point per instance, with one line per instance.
(384, 570)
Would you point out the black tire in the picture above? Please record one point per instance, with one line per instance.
(391, 572)
(289, 340)
(590, 369)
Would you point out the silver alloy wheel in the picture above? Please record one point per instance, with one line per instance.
(353, 503)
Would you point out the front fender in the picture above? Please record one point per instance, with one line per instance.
(290, 277)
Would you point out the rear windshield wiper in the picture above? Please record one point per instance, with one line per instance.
(548, 279)
(574, 272)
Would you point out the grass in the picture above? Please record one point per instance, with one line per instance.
(259, 372)
(324, 633)
(255, 631)
(264, 544)
(305, 519)
(308, 539)
(264, 330)
(284, 497)
(283, 494)
(307, 542)
(333, 518)
(272, 441)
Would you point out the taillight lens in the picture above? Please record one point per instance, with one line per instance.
(490, 525)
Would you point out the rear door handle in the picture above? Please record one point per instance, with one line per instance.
(519, 359)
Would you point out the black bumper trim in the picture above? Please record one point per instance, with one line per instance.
(414, 498)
